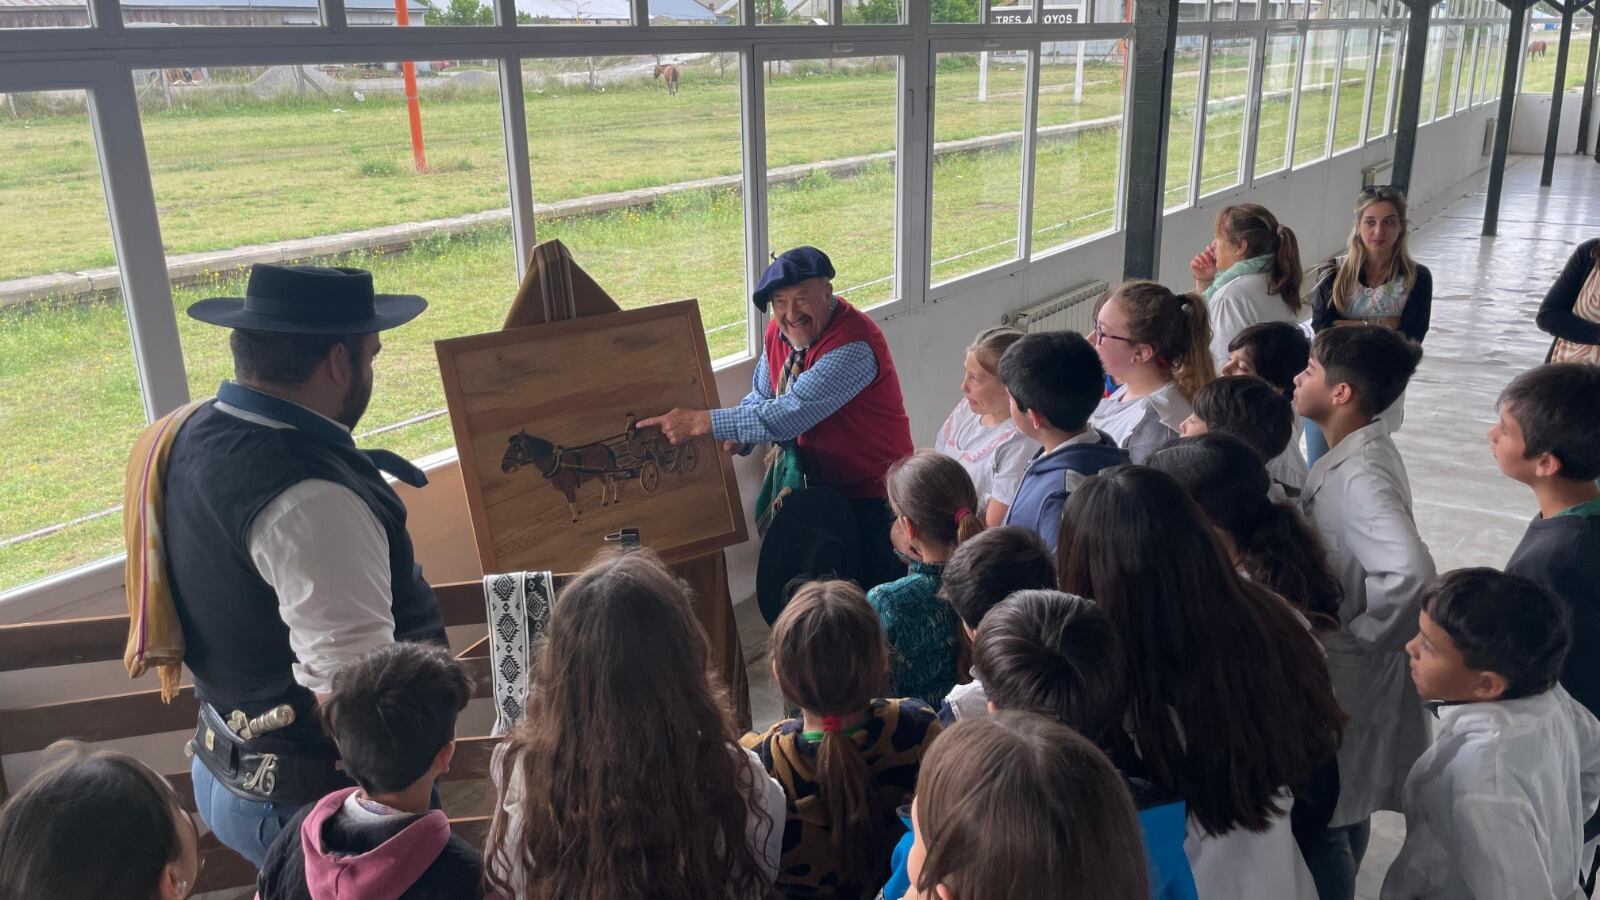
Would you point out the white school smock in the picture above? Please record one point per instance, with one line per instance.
(1145, 424)
(1237, 305)
(1495, 808)
(1359, 499)
(1245, 865)
(994, 456)
(1289, 467)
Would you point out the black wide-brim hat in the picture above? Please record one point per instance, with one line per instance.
(309, 300)
(814, 534)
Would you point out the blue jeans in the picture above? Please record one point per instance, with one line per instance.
(1316, 444)
(1335, 859)
(246, 826)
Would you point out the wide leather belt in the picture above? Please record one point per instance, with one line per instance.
(283, 778)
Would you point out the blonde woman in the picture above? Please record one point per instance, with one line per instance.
(1376, 282)
(979, 433)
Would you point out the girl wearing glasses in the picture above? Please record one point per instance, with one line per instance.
(1157, 345)
(93, 823)
(1249, 273)
(1376, 282)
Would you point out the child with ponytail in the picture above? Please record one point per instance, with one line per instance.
(1157, 344)
(850, 760)
(1249, 273)
(935, 508)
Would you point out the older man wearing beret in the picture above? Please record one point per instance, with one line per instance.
(825, 382)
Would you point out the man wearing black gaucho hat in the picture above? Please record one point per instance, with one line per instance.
(286, 548)
(827, 383)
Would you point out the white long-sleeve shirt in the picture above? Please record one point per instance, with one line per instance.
(327, 557)
(1495, 808)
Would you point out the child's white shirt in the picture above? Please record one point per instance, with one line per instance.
(1495, 808)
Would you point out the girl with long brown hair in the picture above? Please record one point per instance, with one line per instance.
(1249, 273)
(935, 508)
(851, 758)
(979, 432)
(625, 779)
(1230, 703)
(1157, 344)
(1018, 805)
(1376, 282)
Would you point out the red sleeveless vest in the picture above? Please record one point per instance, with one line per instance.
(851, 450)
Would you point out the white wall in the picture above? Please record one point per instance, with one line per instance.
(1531, 123)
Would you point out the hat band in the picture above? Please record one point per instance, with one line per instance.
(318, 313)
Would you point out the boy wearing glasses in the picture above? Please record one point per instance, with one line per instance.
(1055, 381)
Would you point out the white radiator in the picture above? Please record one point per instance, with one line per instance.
(1072, 311)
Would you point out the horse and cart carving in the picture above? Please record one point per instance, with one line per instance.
(630, 455)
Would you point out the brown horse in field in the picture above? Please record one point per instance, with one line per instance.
(1537, 48)
(670, 73)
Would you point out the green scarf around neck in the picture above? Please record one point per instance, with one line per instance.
(1249, 266)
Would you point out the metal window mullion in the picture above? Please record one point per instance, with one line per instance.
(753, 128)
(1255, 95)
(333, 14)
(519, 169)
(913, 183)
(1030, 155)
(105, 16)
(136, 235)
(1197, 159)
(641, 13)
(1338, 88)
(1374, 47)
(836, 12)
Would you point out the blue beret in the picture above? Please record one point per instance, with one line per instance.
(791, 267)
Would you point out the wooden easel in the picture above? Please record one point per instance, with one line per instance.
(556, 288)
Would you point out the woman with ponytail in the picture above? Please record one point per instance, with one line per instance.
(850, 760)
(935, 508)
(1157, 345)
(1249, 273)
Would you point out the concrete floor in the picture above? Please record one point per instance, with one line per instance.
(1485, 294)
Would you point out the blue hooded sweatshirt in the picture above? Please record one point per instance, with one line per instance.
(1050, 479)
(1163, 822)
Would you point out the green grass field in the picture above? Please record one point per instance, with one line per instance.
(229, 172)
(1540, 77)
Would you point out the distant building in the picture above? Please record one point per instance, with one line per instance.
(74, 13)
(611, 12)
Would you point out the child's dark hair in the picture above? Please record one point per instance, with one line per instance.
(90, 823)
(1176, 326)
(1250, 409)
(1229, 698)
(1504, 624)
(1018, 805)
(936, 494)
(392, 710)
(1263, 235)
(1056, 655)
(1554, 405)
(1276, 547)
(1278, 352)
(1056, 374)
(1377, 362)
(993, 566)
(832, 659)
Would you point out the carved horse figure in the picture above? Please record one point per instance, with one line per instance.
(565, 467)
(1537, 48)
(670, 73)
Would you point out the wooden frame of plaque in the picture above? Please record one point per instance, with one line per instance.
(552, 462)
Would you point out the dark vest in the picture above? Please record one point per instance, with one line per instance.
(222, 472)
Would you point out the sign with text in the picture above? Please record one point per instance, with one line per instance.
(1054, 14)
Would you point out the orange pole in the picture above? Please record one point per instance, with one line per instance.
(409, 70)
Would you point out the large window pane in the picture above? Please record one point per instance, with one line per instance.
(70, 405)
(278, 13)
(1352, 89)
(1181, 119)
(1277, 98)
(1079, 149)
(340, 178)
(693, 12)
(1384, 84)
(572, 12)
(1430, 75)
(1227, 111)
(793, 12)
(645, 187)
(977, 169)
(953, 12)
(58, 14)
(1449, 71)
(1316, 96)
(831, 167)
(1541, 69)
(433, 13)
(871, 12)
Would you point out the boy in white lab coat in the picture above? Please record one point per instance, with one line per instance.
(1495, 808)
(1359, 498)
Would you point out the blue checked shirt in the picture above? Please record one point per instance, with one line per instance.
(815, 394)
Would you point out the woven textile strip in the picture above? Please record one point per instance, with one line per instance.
(519, 617)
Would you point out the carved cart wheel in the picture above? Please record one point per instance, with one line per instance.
(649, 476)
(687, 457)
